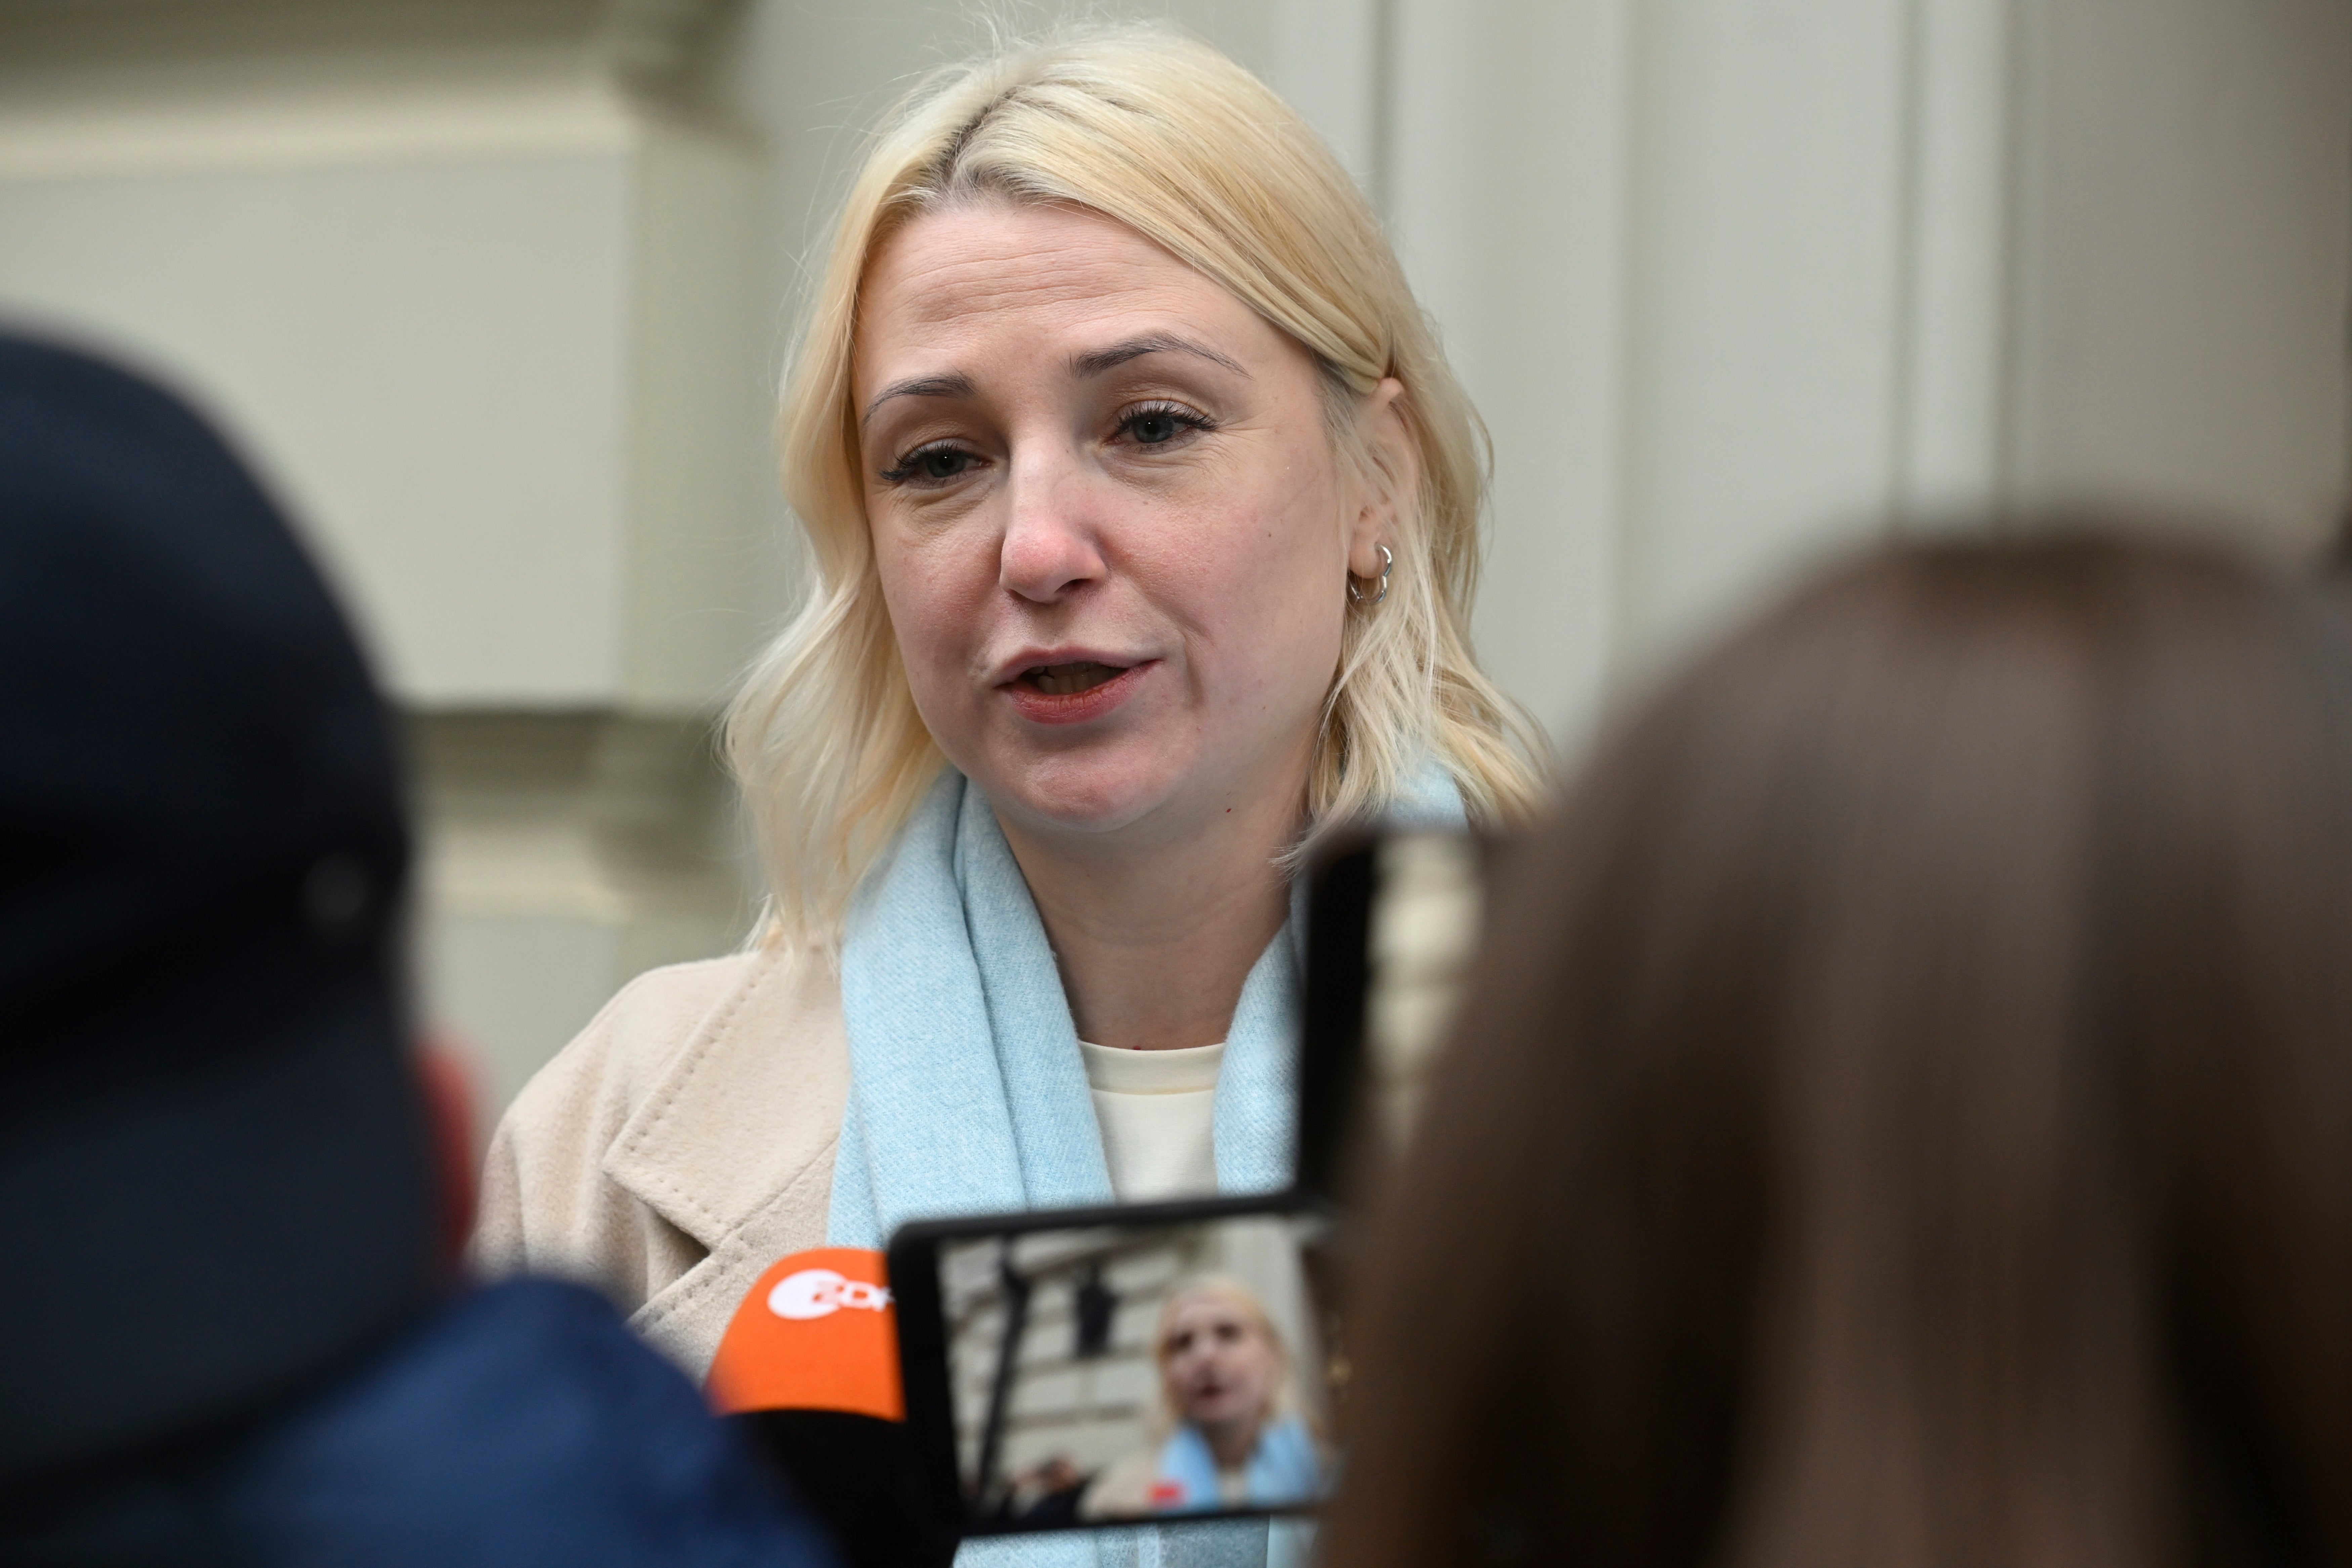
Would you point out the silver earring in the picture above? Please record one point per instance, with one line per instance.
(1388, 564)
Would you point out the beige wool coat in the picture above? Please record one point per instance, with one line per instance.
(680, 1146)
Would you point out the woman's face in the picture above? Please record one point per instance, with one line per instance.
(1219, 1366)
(1111, 530)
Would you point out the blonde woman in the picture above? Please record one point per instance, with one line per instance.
(1142, 513)
(1233, 1435)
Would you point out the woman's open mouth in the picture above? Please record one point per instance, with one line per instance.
(1071, 693)
(1069, 679)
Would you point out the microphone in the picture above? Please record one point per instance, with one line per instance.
(808, 1370)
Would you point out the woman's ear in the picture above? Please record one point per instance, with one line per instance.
(1390, 475)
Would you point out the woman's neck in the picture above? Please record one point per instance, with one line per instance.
(1154, 941)
(1230, 1443)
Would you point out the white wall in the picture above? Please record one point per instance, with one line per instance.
(1737, 282)
(479, 419)
(2184, 224)
(481, 318)
(1508, 191)
(1765, 313)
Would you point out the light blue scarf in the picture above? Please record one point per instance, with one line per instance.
(1283, 1469)
(967, 1092)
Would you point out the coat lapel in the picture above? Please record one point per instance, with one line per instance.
(733, 1142)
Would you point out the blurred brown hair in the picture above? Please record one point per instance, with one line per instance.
(1904, 1115)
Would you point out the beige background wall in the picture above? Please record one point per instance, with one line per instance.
(496, 291)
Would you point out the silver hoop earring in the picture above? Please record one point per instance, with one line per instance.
(1388, 564)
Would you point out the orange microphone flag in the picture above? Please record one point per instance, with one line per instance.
(818, 1331)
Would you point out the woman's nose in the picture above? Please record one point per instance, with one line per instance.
(1051, 542)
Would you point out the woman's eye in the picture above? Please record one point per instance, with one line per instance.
(930, 465)
(1155, 426)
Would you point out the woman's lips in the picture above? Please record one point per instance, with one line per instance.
(1071, 693)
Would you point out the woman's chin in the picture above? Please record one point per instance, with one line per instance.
(1224, 1423)
(1078, 795)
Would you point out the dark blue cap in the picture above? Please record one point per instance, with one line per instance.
(214, 1175)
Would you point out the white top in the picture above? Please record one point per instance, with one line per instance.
(1157, 1110)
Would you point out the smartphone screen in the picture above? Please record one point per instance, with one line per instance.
(1147, 1368)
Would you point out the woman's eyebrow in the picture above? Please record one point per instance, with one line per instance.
(953, 385)
(958, 385)
(1101, 360)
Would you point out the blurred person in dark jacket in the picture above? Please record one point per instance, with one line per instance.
(231, 1193)
(1905, 1116)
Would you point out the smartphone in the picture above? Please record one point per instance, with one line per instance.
(1136, 1363)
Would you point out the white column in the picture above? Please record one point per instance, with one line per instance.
(2184, 192)
(1766, 301)
(1957, 226)
(1507, 186)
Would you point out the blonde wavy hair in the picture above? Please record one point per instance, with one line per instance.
(1169, 137)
